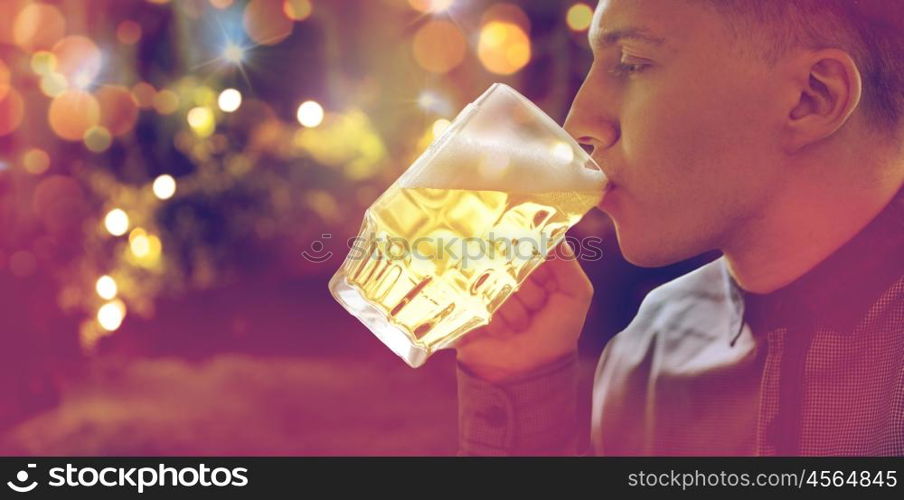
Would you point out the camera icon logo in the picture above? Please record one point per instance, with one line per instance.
(22, 477)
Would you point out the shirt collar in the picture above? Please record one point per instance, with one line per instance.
(838, 292)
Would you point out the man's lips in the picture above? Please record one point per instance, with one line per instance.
(607, 193)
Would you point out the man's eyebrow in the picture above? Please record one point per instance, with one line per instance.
(611, 37)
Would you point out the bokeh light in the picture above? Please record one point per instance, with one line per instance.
(118, 109)
(298, 10)
(98, 139)
(439, 46)
(203, 95)
(43, 62)
(38, 26)
(579, 17)
(229, 100)
(139, 243)
(431, 101)
(12, 111)
(144, 248)
(310, 114)
(440, 126)
(117, 222)
(506, 12)
(9, 9)
(72, 113)
(201, 120)
(35, 161)
(4, 79)
(78, 59)
(233, 53)
(430, 6)
(128, 32)
(53, 84)
(164, 186)
(221, 4)
(144, 93)
(106, 287)
(265, 22)
(111, 314)
(503, 47)
(166, 102)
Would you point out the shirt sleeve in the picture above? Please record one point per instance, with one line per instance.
(535, 414)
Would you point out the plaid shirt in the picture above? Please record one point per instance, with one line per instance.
(815, 368)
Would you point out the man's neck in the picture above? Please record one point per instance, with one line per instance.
(801, 228)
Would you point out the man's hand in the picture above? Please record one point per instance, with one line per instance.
(538, 324)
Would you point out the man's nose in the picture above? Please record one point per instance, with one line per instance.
(590, 120)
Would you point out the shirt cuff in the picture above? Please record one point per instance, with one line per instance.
(534, 414)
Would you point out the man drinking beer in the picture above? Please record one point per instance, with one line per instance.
(772, 131)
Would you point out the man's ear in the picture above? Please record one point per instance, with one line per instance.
(829, 89)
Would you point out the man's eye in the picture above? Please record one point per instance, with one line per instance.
(622, 68)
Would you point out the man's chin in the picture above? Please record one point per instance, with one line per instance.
(650, 253)
(640, 259)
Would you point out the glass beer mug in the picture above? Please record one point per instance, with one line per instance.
(461, 229)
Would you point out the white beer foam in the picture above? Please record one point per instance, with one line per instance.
(497, 165)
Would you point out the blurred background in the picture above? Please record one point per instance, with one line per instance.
(164, 164)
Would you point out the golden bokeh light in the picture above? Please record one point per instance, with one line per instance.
(118, 109)
(201, 120)
(503, 47)
(116, 222)
(440, 126)
(43, 62)
(139, 244)
(439, 46)
(35, 161)
(144, 92)
(72, 113)
(98, 139)
(229, 100)
(265, 22)
(53, 84)
(12, 111)
(145, 248)
(106, 287)
(164, 187)
(221, 4)
(506, 12)
(348, 141)
(310, 114)
(430, 6)
(4, 79)
(9, 9)
(78, 59)
(203, 95)
(298, 10)
(38, 26)
(579, 17)
(111, 314)
(128, 32)
(166, 102)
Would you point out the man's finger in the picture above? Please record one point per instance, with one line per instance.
(514, 313)
(531, 295)
(566, 272)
